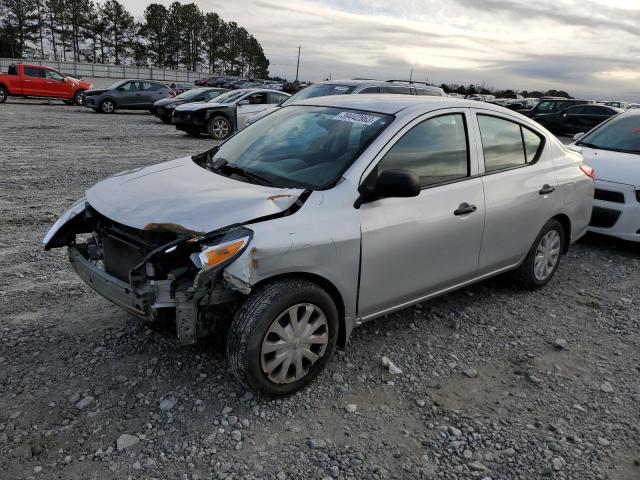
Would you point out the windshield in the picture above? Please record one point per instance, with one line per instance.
(299, 146)
(189, 94)
(116, 85)
(621, 134)
(319, 90)
(228, 97)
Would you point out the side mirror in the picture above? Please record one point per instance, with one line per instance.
(244, 102)
(394, 183)
(578, 136)
(65, 80)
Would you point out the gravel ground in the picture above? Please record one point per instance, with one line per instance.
(496, 383)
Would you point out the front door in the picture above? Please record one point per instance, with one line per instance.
(413, 247)
(57, 86)
(249, 105)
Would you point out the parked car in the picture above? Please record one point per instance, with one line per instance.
(353, 87)
(127, 95)
(579, 118)
(225, 114)
(206, 82)
(181, 87)
(325, 215)
(552, 105)
(613, 148)
(24, 80)
(164, 107)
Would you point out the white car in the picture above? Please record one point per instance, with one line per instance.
(613, 150)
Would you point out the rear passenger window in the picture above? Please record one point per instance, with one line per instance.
(429, 93)
(436, 150)
(506, 144)
(399, 90)
(34, 72)
(370, 90)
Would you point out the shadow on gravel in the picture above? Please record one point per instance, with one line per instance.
(606, 244)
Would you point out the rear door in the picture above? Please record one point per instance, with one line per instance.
(573, 118)
(128, 95)
(519, 184)
(413, 247)
(153, 91)
(594, 115)
(34, 82)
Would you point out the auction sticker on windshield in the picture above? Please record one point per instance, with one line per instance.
(356, 118)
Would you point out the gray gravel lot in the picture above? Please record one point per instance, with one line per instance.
(496, 383)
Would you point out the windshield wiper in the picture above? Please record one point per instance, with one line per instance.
(222, 165)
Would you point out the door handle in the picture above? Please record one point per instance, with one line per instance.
(464, 209)
(546, 189)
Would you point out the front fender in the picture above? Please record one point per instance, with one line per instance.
(58, 234)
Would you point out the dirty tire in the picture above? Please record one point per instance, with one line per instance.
(525, 275)
(218, 128)
(254, 319)
(107, 106)
(3, 94)
(78, 98)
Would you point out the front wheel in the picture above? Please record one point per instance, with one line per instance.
(282, 337)
(3, 94)
(107, 106)
(544, 257)
(218, 128)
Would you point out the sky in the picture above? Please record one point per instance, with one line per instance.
(590, 48)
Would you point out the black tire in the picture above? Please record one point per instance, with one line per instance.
(252, 323)
(107, 106)
(3, 94)
(525, 275)
(219, 127)
(78, 98)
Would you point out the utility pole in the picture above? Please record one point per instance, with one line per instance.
(298, 65)
(411, 74)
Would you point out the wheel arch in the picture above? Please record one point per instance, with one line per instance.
(108, 98)
(344, 330)
(566, 227)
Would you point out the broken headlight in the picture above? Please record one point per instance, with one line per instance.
(214, 255)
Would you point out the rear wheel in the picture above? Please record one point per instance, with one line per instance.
(107, 106)
(3, 94)
(544, 257)
(218, 128)
(79, 97)
(283, 336)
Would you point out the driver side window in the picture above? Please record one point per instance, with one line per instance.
(53, 75)
(257, 99)
(435, 149)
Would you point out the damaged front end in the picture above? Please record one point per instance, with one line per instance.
(163, 271)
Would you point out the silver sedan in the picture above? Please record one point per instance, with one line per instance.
(324, 215)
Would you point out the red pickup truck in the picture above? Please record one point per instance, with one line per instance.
(24, 80)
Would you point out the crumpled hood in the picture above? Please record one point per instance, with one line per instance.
(181, 196)
(616, 167)
(193, 106)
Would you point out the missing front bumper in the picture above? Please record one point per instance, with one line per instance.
(113, 289)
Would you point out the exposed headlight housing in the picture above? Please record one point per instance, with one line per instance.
(214, 255)
(172, 105)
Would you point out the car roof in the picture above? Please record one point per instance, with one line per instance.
(258, 90)
(373, 81)
(393, 103)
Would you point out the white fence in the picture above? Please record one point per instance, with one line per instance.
(100, 70)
